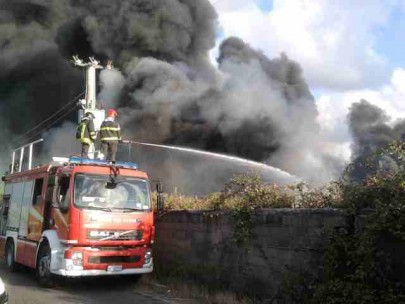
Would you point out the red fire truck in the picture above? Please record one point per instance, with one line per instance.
(78, 217)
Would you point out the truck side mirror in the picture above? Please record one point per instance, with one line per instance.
(62, 202)
(62, 193)
(160, 198)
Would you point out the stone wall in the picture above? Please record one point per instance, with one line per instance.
(287, 247)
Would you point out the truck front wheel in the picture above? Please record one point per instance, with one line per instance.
(44, 275)
(10, 254)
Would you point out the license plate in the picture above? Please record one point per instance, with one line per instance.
(114, 268)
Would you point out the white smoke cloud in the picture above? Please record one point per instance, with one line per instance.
(112, 82)
(250, 95)
(60, 142)
(333, 40)
(266, 100)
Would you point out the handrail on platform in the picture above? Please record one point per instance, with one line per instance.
(22, 148)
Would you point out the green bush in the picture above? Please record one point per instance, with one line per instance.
(366, 265)
(248, 191)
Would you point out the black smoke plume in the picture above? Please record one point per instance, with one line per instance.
(168, 91)
(372, 130)
(37, 37)
(253, 107)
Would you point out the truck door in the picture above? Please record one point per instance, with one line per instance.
(22, 246)
(13, 221)
(25, 209)
(61, 214)
(36, 219)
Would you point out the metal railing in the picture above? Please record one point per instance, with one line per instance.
(22, 150)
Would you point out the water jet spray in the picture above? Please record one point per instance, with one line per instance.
(220, 156)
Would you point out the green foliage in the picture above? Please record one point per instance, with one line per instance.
(330, 195)
(248, 191)
(243, 195)
(366, 265)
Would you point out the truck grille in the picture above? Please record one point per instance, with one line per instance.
(114, 259)
(115, 235)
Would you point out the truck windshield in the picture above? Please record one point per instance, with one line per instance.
(127, 194)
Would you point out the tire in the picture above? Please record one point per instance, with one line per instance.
(136, 278)
(133, 278)
(12, 265)
(43, 270)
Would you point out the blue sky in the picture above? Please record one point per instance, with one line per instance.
(390, 40)
(369, 35)
(265, 5)
(390, 37)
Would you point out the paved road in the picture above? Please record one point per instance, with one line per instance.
(23, 289)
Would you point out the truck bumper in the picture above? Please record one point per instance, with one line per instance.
(81, 261)
(97, 272)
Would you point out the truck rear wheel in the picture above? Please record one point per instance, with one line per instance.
(135, 278)
(44, 275)
(12, 265)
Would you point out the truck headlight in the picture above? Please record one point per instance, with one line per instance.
(75, 256)
(148, 257)
(2, 287)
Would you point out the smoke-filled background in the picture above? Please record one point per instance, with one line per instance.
(166, 90)
(372, 130)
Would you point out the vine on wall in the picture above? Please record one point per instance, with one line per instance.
(367, 265)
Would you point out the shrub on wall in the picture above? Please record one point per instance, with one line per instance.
(249, 191)
(367, 265)
(361, 265)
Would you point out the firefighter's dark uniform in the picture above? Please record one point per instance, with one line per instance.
(110, 135)
(87, 135)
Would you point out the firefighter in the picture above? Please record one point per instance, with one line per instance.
(86, 134)
(110, 135)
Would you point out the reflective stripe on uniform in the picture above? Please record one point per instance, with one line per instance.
(83, 138)
(82, 131)
(110, 138)
(85, 141)
(110, 129)
(93, 135)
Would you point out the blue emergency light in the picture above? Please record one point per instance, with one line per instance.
(85, 161)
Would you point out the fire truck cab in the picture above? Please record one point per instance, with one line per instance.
(78, 217)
